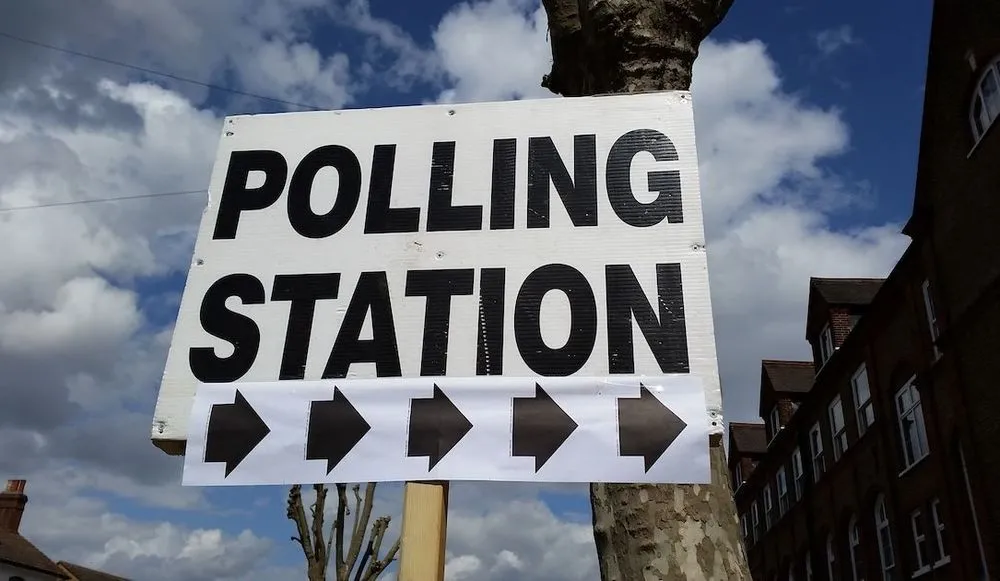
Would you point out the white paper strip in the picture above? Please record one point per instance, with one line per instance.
(570, 429)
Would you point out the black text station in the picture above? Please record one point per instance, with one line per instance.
(659, 318)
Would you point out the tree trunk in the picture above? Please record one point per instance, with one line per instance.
(662, 532)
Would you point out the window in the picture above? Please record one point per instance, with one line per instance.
(986, 101)
(768, 508)
(774, 422)
(920, 540)
(838, 429)
(831, 558)
(783, 503)
(825, 344)
(886, 556)
(862, 400)
(857, 557)
(745, 527)
(816, 444)
(940, 550)
(929, 312)
(809, 567)
(797, 476)
(911, 424)
(738, 475)
(755, 517)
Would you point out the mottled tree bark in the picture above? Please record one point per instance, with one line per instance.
(667, 531)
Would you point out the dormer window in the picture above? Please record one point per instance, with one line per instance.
(738, 475)
(986, 101)
(825, 344)
(774, 422)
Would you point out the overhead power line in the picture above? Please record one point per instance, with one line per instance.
(39, 44)
(100, 200)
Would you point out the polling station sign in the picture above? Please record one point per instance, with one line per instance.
(500, 291)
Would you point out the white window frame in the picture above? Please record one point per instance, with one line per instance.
(838, 435)
(782, 486)
(864, 407)
(853, 546)
(808, 567)
(931, 314)
(977, 95)
(831, 556)
(920, 539)
(884, 536)
(911, 411)
(745, 527)
(798, 476)
(938, 525)
(768, 508)
(816, 449)
(826, 347)
(738, 475)
(755, 518)
(774, 422)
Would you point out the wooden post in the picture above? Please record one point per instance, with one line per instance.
(425, 530)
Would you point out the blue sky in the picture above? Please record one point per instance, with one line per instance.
(832, 92)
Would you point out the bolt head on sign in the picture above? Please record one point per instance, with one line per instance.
(494, 291)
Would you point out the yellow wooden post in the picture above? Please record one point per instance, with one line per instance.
(425, 530)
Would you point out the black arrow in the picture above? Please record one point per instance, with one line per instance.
(234, 430)
(646, 427)
(540, 427)
(436, 425)
(335, 428)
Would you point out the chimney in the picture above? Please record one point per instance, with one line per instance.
(12, 501)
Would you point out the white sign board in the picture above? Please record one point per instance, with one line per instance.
(467, 257)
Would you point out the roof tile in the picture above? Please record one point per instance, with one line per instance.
(17, 550)
(748, 438)
(847, 291)
(790, 376)
(85, 574)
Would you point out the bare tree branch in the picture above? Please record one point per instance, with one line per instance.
(316, 570)
(361, 524)
(377, 566)
(317, 547)
(318, 515)
(339, 526)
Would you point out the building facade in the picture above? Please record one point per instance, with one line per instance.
(853, 473)
(955, 212)
(882, 464)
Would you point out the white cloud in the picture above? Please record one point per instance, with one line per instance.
(832, 40)
(83, 530)
(490, 51)
(520, 540)
(256, 45)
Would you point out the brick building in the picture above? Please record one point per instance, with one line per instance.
(878, 458)
(20, 559)
(954, 224)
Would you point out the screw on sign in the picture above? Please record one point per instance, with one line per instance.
(495, 291)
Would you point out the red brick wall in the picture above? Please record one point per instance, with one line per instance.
(840, 324)
(961, 186)
(894, 346)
